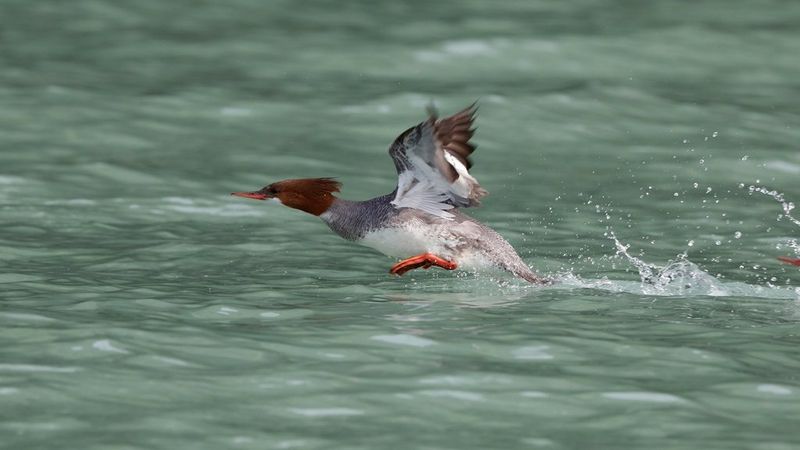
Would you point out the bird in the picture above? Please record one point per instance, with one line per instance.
(421, 221)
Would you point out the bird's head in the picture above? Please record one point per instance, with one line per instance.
(312, 195)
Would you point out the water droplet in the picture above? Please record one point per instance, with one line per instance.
(737, 235)
(715, 134)
(744, 158)
(691, 243)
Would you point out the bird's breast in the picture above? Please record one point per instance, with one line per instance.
(416, 237)
(402, 242)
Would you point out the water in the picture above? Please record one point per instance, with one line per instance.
(143, 307)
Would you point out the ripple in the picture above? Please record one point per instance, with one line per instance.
(71, 202)
(36, 368)
(17, 277)
(8, 179)
(782, 166)
(458, 395)
(233, 210)
(105, 346)
(774, 389)
(537, 352)
(179, 200)
(24, 317)
(326, 412)
(467, 47)
(643, 397)
(534, 394)
(234, 111)
(173, 361)
(404, 339)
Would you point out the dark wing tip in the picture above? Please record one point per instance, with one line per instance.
(455, 132)
(470, 111)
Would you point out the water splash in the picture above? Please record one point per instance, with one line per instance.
(787, 207)
(679, 277)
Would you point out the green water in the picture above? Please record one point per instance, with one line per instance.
(143, 307)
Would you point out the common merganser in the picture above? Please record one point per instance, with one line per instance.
(792, 261)
(419, 221)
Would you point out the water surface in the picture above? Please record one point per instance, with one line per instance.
(143, 307)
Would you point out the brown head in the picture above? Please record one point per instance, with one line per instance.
(312, 195)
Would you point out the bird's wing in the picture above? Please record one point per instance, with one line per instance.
(432, 161)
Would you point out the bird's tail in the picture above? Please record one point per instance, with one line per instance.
(532, 277)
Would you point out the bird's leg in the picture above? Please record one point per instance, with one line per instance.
(425, 260)
(792, 261)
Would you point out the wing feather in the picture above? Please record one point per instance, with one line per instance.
(433, 161)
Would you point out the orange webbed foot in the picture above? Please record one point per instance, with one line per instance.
(425, 261)
(792, 261)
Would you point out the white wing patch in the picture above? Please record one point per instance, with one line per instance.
(463, 184)
(421, 194)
